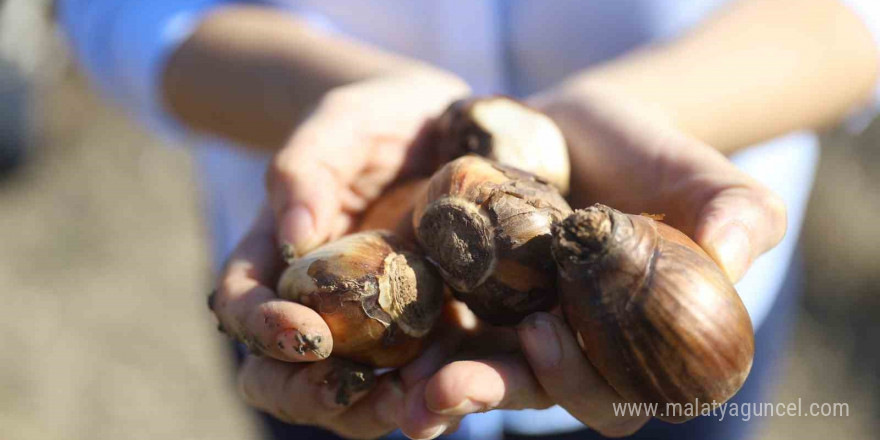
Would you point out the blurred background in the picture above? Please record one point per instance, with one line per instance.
(104, 270)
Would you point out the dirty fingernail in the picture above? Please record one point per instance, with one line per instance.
(731, 248)
(298, 346)
(288, 253)
(540, 342)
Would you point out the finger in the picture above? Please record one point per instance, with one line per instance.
(303, 393)
(417, 421)
(478, 339)
(440, 349)
(374, 415)
(569, 379)
(309, 179)
(249, 310)
(456, 324)
(700, 191)
(730, 215)
(305, 196)
(739, 224)
(466, 387)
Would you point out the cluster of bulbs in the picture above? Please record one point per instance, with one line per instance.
(653, 313)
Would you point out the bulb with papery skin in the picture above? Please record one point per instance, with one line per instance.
(507, 131)
(651, 310)
(487, 228)
(377, 294)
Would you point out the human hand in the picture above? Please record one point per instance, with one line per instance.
(628, 157)
(360, 138)
(283, 338)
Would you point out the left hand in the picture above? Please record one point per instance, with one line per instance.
(628, 157)
(551, 370)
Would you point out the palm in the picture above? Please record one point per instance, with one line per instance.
(628, 158)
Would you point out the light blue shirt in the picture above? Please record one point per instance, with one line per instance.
(515, 47)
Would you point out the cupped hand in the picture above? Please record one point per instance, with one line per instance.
(360, 138)
(283, 338)
(633, 159)
(622, 155)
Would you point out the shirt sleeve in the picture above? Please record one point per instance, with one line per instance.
(869, 12)
(123, 46)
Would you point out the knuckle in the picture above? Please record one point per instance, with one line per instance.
(337, 98)
(776, 211)
(777, 207)
(225, 308)
(265, 316)
(220, 296)
(219, 305)
(283, 413)
(257, 388)
(245, 382)
(282, 171)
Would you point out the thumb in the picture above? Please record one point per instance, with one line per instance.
(308, 181)
(738, 224)
(305, 197)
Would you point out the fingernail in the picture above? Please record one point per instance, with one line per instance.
(389, 406)
(732, 250)
(465, 407)
(288, 253)
(434, 434)
(297, 231)
(298, 346)
(540, 342)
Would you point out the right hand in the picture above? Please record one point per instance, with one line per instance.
(357, 141)
(360, 138)
(284, 337)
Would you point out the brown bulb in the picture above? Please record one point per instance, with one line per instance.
(379, 298)
(654, 314)
(507, 131)
(487, 228)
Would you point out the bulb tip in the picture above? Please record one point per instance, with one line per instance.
(582, 237)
